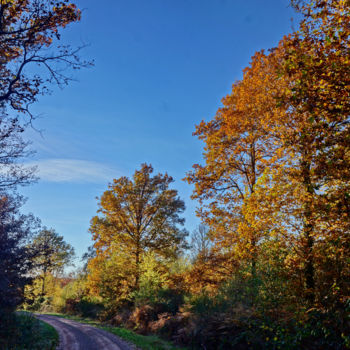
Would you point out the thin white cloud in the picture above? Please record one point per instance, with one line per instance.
(74, 170)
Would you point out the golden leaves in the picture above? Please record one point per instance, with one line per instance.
(277, 152)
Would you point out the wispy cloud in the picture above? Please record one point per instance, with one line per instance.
(74, 170)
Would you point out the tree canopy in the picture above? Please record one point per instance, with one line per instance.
(139, 215)
(53, 254)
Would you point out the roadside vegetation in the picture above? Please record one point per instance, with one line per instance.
(28, 333)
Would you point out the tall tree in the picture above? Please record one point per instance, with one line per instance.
(284, 131)
(31, 58)
(54, 254)
(200, 243)
(316, 58)
(15, 257)
(140, 214)
(239, 146)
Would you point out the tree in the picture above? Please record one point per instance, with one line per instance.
(28, 29)
(54, 254)
(111, 275)
(240, 144)
(284, 132)
(30, 60)
(316, 58)
(139, 215)
(15, 257)
(86, 257)
(12, 149)
(15, 228)
(200, 243)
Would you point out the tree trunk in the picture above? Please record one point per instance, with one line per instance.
(308, 244)
(43, 285)
(309, 270)
(137, 261)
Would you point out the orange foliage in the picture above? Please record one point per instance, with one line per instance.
(138, 216)
(241, 144)
(277, 156)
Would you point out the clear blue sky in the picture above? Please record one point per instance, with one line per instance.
(161, 66)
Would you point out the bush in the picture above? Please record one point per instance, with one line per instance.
(241, 316)
(85, 307)
(162, 300)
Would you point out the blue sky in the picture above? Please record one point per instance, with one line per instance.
(161, 66)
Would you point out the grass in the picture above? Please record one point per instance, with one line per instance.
(149, 342)
(29, 333)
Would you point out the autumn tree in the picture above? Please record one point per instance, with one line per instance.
(305, 198)
(239, 146)
(317, 104)
(200, 243)
(297, 100)
(31, 56)
(31, 59)
(54, 254)
(138, 215)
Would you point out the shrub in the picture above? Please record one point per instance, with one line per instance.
(85, 307)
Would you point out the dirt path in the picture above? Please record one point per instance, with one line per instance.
(78, 336)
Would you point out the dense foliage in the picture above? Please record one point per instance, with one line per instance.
(15, 257)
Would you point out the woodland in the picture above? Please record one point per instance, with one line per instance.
(269, 266)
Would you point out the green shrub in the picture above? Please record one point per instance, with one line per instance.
(24, 332)
(162, 300)
(240, 315)
(85, 307)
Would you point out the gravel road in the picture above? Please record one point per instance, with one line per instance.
(78, 336)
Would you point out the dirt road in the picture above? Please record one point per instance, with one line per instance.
(78, 336)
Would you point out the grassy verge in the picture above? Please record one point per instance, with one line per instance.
(149, 342)
(31, 334)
